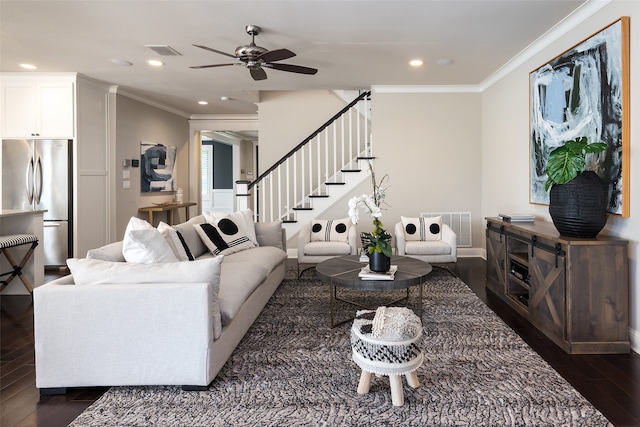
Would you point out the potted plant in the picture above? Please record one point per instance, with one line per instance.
(578, 198)
(378, 242)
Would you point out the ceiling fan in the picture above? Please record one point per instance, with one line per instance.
(256, 57)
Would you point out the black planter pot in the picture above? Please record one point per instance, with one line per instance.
(579, 207)
(379, 262)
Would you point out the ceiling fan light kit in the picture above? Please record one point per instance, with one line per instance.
(256, 57)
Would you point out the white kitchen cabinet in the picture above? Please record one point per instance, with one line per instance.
(69, 106)
(35, 108)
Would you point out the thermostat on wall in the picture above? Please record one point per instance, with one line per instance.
(135, 163)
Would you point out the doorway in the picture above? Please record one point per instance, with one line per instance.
(216, 176)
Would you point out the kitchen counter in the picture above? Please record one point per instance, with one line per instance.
(18, 221)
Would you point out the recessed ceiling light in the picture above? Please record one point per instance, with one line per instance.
(416, 62)
(155, 63)
(224, 98)
(122, 62)
(444, 61)
(29, 66)
(203, 103)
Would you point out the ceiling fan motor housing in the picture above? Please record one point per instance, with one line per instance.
(249, 52)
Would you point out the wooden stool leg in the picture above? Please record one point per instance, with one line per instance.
(397, 395)
(18, 268)
(412, 379)
(365, 382)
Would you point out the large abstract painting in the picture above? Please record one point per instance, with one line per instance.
(584, 92)
(157, 167)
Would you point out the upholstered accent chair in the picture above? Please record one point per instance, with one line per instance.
(320, 240)
(426, 239)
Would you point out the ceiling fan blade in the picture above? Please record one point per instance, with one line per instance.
(214, 50)
(258, 73)
(292, 68)
(276, 55)
(210, 66)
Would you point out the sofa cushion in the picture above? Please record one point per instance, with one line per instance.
(422, 229)
(110, 252)
(238, 280)
(269, 234)
(268, 257)
(330, 230)
(225, 236)
(244, 216)
(176, 241)
(97, 272)
(327, 248)
(144, 244)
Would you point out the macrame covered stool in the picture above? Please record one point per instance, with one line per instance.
(11, 241)
(386, 342)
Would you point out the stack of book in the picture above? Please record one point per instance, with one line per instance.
(367, 274)
(517, 217)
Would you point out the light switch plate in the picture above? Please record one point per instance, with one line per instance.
(126, 174)
(126, 184)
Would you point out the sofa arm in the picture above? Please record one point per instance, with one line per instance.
(122, 334)
(400, 239)
(449, 237)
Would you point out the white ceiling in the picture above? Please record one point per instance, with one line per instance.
(353, 44)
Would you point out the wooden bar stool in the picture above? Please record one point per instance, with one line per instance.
(11, 241)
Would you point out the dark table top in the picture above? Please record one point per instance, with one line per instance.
(343, 271)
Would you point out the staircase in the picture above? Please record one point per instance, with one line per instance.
(317, 173)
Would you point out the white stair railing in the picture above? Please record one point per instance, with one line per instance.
(312, 167)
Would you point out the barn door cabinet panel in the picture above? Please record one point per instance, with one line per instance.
(576, 291)
(496, 277)
(33, 107)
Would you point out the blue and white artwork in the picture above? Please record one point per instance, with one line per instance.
(157, 167)
(580, 93)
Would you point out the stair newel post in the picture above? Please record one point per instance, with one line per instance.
(342, 139)
(359, 126)
(287, 197)
(366, 122)
(335, 150)
(242, 195)
(310, 173)
(326, 155)
(350, 134)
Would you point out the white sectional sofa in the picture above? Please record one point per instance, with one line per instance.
(171, 323)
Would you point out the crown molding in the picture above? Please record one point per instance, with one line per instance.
(586, 10)
(152, 103)
(570, 22)
(226, 117)
(425, 89)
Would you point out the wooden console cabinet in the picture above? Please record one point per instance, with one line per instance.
(575, 291)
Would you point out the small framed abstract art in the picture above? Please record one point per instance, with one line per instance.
(157, 167)
(584, 92)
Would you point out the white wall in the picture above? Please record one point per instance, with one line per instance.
(137, 122)
(505, 142)
(429, 144)
(287, 118)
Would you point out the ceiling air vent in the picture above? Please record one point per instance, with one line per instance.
(163, 49)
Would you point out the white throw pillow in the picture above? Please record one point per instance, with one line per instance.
(176, 241)
(225, 236)
(330, 230)
(87, 271)
(244, 216)
(422, 229)
(144, 244)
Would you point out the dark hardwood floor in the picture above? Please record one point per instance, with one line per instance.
(610, 382)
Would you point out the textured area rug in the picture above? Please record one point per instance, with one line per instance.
(291, 369)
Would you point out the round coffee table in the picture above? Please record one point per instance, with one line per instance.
(343, 272)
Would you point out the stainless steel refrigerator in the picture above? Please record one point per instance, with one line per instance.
(36, 174)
